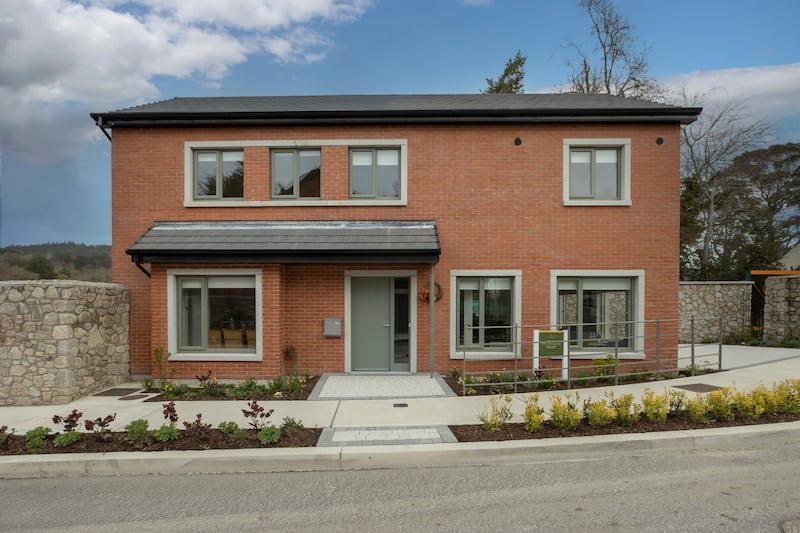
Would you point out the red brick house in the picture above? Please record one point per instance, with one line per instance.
(246, 225)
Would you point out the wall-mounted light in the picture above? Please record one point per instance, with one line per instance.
(660, 141)
(517, 141)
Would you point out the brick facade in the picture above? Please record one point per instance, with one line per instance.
(497, 205)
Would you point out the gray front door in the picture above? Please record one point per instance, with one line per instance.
(380, 324)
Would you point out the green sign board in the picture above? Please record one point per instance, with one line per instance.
(551, 344)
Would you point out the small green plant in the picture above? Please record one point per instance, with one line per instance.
(564, 414)
(170, 389)
(35, 439)
(719, 404)
(289, 424)
(655, 407)
(626, 411)
(677, 401)
(159, 361)
(497, 413)
(697, 409)
(295, 384)
(256, 415)
(269, 435)
(148, 385)
(137, 433)
(229, 428)
(275, 385)
(534, 414)
(455, 373)
(208, 385)
(68, 438)
(598, 413)
(70, 421)
(197, 428)
(99, 427)
(604, 367)
(167, 433)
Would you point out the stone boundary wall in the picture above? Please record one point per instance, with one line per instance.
(61, 340)
(782, 307)
(707, 302)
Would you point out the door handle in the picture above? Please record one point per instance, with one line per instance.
(386, 325)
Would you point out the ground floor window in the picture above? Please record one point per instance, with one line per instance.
(486, 307)
(213, 313)
(598, 311)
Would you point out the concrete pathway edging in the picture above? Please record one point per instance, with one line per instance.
(393, 456)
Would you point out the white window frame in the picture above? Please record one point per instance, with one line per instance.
(172, 316)
(637, 278)
(476, 355)
(624, 162)
(188, 163)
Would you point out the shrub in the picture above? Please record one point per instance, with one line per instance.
(99, 426)
(276, 385)
(295, 384)
(626, 411)
(746, 407)
(598, 413)
(697, 409)
(604, 367)
(534, 414)
(719, 404)
(70, 421)
(655, 407)
(4, 434)
(207, 385)
(455, 373)
(765, 399)
(197, 428)
(256, 415)
(269, 435)
(137, 434)
(565, 415)
(167, 433)
(35, 439)
(787, 396)
(229, 428)
(497, 413)
(68, 438)
(677, 401)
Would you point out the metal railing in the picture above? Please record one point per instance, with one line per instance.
(649, 350)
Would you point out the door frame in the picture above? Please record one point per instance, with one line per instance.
(412, 312)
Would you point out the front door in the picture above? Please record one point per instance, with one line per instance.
(380, 324)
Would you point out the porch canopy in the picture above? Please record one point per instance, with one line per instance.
(289, 242)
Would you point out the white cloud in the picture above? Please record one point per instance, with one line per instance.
(56, 53)
(767, 93)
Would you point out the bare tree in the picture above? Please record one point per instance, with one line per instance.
(511, 80)
(617, 63)
(709, 147)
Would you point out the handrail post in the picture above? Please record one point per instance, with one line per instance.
(719, 356)
(658, 348)
(616, 353)
(691, 340)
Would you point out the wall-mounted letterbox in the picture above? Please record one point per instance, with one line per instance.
(331, 327)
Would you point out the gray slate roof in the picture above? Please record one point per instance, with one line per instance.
(395, 108)
(289, 242)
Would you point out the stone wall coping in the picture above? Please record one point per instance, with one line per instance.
(717, 282)
(60, 283)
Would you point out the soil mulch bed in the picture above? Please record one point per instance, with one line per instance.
(303, 394)
(476, 433)
(215, 439)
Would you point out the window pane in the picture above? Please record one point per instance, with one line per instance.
(310, 174)
(469, 310)
(497, 312)
(361, 174)
(568, 311)
(233, 310)
(232, 174)
(606, 180)
(191, 326)
(389, 181)
(580, 184)
(282, 174)
(206, 174)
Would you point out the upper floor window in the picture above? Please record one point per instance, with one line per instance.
(375, 173)
(295, 173)
(597, 171)
(218, 174)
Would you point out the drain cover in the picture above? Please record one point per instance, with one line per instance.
(698, 387)
(117, 392)
(399, 405)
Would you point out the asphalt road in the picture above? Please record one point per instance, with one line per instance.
(756, 489)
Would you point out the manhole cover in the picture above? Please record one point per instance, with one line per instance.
(118, 392)
(698, 387)
(134, 397)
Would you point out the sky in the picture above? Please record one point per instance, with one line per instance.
(62, 59)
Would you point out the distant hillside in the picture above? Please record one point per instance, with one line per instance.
(66, 260)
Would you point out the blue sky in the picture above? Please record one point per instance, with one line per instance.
(61, 59)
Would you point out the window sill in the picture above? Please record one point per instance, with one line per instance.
(216, 356)
(484, 356)
(587, 355)
(622, 203)
(294, 203)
